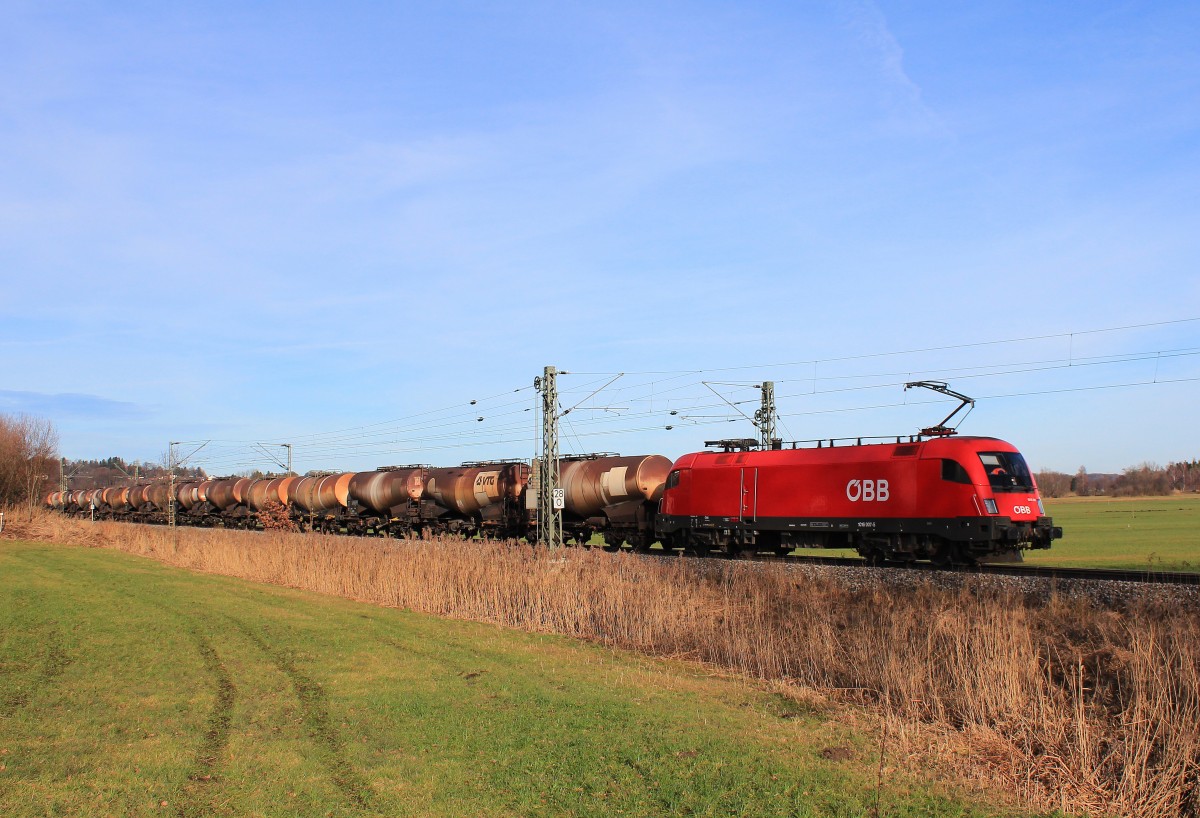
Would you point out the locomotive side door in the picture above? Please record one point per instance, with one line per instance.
(748, 510)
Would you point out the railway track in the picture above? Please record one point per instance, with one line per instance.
(1021, 570)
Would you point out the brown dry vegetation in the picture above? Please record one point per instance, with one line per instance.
(28, 447)
(1060, 703)
(274, 516)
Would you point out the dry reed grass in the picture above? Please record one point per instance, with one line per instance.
(1057, 702)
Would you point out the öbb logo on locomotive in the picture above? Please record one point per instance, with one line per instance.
(868, 491)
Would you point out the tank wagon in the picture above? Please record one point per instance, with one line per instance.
(943, 498)
(613, 496)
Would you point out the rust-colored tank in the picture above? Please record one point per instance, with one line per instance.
(592, 485)
(187, 495)
(116, 497)
(93, 498)
(203, 489)
(467, 489)
(261, 491)
(137, 496)
(228, 492)
(296, 488)
(158, 495)
(334, 490)
(322, 493)
(240, 487)
(283, 490)
(268, 490)
(381, 490)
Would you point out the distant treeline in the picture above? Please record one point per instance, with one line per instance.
(116, 471)
(1145, 480)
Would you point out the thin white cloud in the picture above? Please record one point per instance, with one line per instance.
(903, 96)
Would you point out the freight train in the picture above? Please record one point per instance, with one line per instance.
(942, 498)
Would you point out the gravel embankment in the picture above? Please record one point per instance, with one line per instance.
(1103, 593)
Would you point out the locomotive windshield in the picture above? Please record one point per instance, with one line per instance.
(1006, 471)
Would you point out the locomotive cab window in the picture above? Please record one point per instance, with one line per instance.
(1006, 471)
(953, 471)
(673, 479)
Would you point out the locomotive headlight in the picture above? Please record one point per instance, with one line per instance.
(990, 505)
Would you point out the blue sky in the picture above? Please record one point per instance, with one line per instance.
(338, 224)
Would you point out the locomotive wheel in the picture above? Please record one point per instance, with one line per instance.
(953, 554)
(873, 556)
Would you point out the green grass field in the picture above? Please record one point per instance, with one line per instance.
(1155, 533)
(130, 688)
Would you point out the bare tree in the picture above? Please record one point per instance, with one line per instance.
(1053, 483)
(1080, 484)
(28, 456)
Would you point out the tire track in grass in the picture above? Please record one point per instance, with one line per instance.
(54, 656)
(314, 708)
(314, 705)
(197, 796)
(54, 662)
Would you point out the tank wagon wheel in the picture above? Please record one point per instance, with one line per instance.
(640, 543)
(612, 542)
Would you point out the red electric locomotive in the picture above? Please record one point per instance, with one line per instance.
(948, 499)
